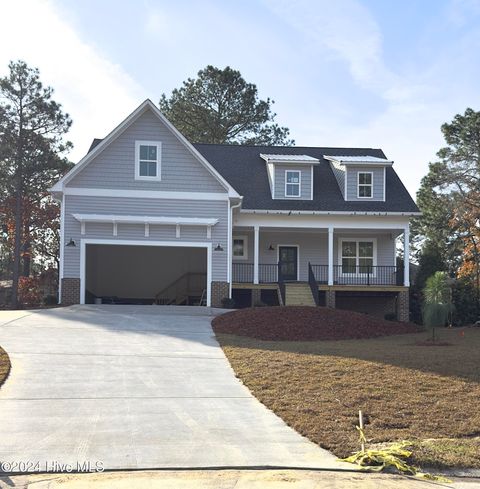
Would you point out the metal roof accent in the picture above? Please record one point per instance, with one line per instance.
(288, 158)
(360, 159)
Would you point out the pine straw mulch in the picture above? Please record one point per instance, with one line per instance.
(429, 395)
(306, 323)
(4, 365)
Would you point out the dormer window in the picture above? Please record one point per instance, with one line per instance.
(365, 185)
(148, 160)
(290, 175)
(292, 183)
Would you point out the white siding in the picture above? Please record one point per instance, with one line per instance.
(114, 167)
(305, 181)
(313, 246)
(339, 172)
(352, 183)
(145, 207)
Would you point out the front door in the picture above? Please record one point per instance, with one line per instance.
(288, 258)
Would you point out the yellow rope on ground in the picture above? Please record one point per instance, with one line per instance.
(393, 456)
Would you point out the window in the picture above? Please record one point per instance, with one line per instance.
(147, 160)
(292, 183)
(365, 184)
(239, 245)
(357, 256)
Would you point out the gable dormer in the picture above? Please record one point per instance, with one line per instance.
(290, 176)
(360, 178)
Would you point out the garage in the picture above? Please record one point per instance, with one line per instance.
(145, 273)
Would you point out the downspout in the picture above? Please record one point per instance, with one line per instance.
(229, 254)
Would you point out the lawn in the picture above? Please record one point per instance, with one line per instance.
(4, 365)
(428, 394)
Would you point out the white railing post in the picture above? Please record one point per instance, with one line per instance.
(330, 255)
(256, 246)
(406, 256)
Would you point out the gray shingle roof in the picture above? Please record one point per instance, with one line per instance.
(245, 170)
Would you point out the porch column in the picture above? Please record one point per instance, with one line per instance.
(256, 246)
(330, 255)
(406, 256)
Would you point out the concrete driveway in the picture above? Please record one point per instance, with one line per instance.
(134, 387)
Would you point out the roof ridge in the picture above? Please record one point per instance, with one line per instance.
(284, 147)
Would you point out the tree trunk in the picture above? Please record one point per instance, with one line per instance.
(18, 205)
(18, 244)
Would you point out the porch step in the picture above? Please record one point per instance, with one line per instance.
(298, 294)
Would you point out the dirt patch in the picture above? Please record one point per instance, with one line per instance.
(306, 323)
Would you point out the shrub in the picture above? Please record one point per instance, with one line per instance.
(228, 303)
(465, 299)
(50, 300)
(29, 291)
(437, 307)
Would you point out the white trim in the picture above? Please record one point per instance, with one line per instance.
(368, 223)
(330, 254)
(147, 230)
(115, 229)
(299, 184)
(298, 255)
(177, 231)
(364, 184)
(186, 221)
(158, 161)
(271, 178)
(147, 104)
(229, 244)
(357, 240)
(384, 183)
(245, 247)
(256, 253)
(62, 248)
(126, 242)
(144, 194)
(329, 213)
(406, 256)
(311, 183)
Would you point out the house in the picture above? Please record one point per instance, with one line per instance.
(148, 217)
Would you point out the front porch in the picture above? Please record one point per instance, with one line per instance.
(317, 266)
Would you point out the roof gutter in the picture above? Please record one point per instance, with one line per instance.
(328, 213)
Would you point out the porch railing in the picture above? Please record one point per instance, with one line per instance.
(342, 275)
(313, 284)
(358, 275)
(244, 273)
(281, 283)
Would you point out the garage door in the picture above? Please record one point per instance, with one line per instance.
(131, 274)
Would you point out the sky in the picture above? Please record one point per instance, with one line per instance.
(352, 73)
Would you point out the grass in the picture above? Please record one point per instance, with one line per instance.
(429, 394)
(4, 365)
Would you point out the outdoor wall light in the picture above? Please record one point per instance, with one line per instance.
(71, 243)
(271, 248)
(218, 247)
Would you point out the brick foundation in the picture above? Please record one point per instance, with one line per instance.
(330, 298)
(220, 290)
(70, 291)
(256, 297)
(403, 306)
